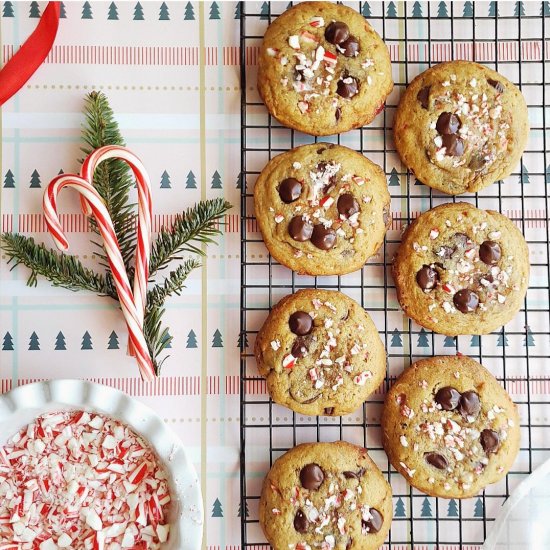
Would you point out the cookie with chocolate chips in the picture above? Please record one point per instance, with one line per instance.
(323, 69)
(320, 353)
(461, 270)
(323, 209)
(461, 126)
(449, 427)
(325, 495)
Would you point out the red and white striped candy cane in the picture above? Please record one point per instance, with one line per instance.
(145, 215)
(105, 225)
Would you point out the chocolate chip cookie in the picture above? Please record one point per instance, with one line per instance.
(320, 353)
(449, 427)
(323, 69)
(323, 209)
(461, 126)
(461, 270)
(326, 496)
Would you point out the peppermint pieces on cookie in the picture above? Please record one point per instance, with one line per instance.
(322, 208)
(320, 353)
(75, 479)
(461, 126)
(323, 69)
(325, 496)
(463, 433)
(461, 270)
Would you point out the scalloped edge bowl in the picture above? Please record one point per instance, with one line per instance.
(21, 405)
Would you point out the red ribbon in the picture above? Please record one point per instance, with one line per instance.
(32, 53)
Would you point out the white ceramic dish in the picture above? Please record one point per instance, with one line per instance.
(21, 405)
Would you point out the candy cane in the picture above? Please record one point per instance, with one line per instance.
(145, 215)
(105, 225)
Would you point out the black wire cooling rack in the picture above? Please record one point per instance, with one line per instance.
(513, 38)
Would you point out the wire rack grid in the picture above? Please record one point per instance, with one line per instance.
(512, 38)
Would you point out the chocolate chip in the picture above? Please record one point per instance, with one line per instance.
(338, 113)
(300, 323)
(321, 150)
(489, 441)
(301, 524)
(453, 144)
(299, 348)
(448, 398)
(477, 163)
(349, 543)
(424, 96)
(498, 86)
(290, 190)
(299, 229)
(447, 123)
(466, 300)
(329, 411)
(347, 87)
(322, 237)
(427, 277)
(350, 46)
(374, 524)
(337, 32)
(469, 404)
(354, 475)
(347, 205)
(311, 477)
(489, 252)
(436, 460)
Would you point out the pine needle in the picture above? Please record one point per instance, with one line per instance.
(60, 269)
(197, 225)
(173, 284)
(112, 177)
(156, 336)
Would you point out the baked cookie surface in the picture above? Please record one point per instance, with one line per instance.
(449, 427)
(323, 209)
(461, 270)
(461, 126)
(325, 495)
(320, 353)
(323, 69)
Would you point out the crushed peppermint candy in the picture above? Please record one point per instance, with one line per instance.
(294, 42)
(362, 377)
(75, 479)
(317, 21)
(289, 361)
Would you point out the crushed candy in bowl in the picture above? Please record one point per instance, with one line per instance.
(74, 479)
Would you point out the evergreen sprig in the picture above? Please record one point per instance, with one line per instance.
(173, 284)
(112, 178)
(195, 227)
(60, 269)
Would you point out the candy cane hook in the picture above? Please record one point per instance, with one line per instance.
(94, 202)
(145, 213)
